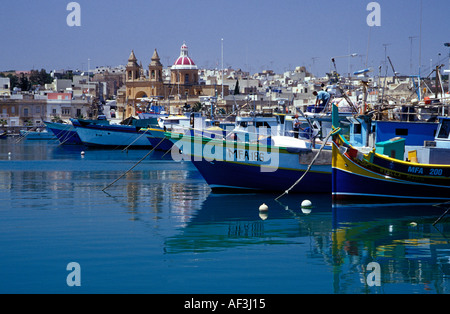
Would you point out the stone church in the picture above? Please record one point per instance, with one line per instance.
(183, 88)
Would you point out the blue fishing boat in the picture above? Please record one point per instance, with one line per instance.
(98, 135)
(169, 123)
(65, 133)
(191, 124)
(274, 163)
(130, 133)
(380, 172)
(37, 135)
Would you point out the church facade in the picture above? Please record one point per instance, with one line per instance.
(183, 88)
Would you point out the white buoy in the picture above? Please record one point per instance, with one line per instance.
(413, 224)
(9, 153)
(306, 210)
(263, 208)
(306, 203)
(306, 207)
(263, 215)
(82, 153)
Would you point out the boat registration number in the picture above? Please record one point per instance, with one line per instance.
(431, 171)
(243, 154)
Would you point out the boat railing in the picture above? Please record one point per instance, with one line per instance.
(412, 112)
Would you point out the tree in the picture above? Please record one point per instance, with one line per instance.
(40, 77)
(24, 84)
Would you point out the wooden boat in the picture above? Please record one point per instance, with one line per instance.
(270, 164)
(37, 135)
(380, 173)
(65, 133)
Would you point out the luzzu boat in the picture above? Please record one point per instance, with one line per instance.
(273, 164)
(381, 173)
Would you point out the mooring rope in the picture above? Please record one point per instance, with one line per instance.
(334, 131)
(142, 159)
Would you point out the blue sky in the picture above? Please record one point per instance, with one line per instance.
(257, 34)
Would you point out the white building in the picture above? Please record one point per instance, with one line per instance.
(5, 86)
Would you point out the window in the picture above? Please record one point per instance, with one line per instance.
(401, 132)
(262, 124)
(25, 112)
(444, 129)
(186, 78)
(65, 111)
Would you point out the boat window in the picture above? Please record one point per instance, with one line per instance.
(357, 128)
(444, 129)
(401, 132)
(262, 124)
(243, 124)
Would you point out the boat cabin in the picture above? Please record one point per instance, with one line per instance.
(443, 133)
(421, 142)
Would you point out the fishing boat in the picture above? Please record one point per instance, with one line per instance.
(273, 163)
(380, 172)
(156, 133)
(131, 132)
(65, 133)
(98, 135)
(38, 134)
(191, 123)
(3, 135)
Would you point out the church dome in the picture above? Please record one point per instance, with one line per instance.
(184, 61)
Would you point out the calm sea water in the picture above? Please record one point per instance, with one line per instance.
(159, 229)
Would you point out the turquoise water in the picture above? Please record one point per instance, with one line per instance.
(159, 229)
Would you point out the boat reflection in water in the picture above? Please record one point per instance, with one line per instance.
(233, 220)
(413, 255)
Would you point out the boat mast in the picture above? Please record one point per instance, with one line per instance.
(420, 49)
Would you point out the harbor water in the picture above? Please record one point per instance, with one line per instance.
(160, 230)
